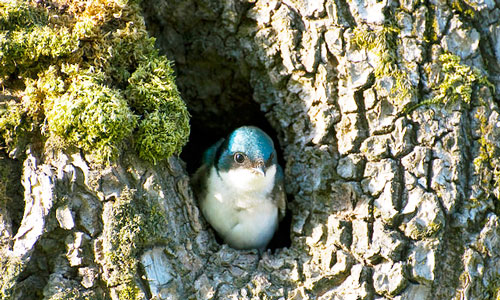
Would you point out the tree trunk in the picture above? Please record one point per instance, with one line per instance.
(387, 119)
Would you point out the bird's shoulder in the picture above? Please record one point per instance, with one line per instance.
(199, 180)
(279, 192)
(211, 152)
(200, 177)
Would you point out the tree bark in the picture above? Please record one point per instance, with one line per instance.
(387, 118)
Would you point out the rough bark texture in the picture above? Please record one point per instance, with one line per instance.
(391, 142)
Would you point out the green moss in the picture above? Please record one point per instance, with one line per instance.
(127, 52)
(90, 77)
(419, 231)
(13, 130)
(24, 49)
(150, 88)
(130, 292)
(487, 163)
(164, 129)
(10, 269)
(160, 135)
(456, 83)
(135, 224)
(17, 15)
(458, 80)
(384, 42)
(493, 289)
(28, 41)
(74, 294)
(462, 8)
(91, 116)
(431, 25)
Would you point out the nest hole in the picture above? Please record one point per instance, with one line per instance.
(222, 119)
(215, 86)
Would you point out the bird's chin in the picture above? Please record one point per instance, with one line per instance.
(246, 179)
(258, 173)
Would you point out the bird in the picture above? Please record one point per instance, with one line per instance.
(240, 188)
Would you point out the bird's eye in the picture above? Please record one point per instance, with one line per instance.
(239, 158)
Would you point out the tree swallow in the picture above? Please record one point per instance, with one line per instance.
(240, 188)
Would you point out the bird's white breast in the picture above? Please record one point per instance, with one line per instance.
(239, 205)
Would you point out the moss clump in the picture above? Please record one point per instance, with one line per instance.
(13, 130)
(21, 15)
(152, 94)
(24, 48)
(87, 73)
(383, 42)
(28, 39)
(134, 224)
(158, 134)
(456, 83)
(90, 115)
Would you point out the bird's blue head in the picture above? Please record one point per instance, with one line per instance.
(247, 147)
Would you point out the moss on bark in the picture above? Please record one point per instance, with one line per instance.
(88, 75)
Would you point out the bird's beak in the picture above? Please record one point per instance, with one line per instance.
(261, 170)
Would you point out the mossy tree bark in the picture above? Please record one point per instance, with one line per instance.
(388, 120)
